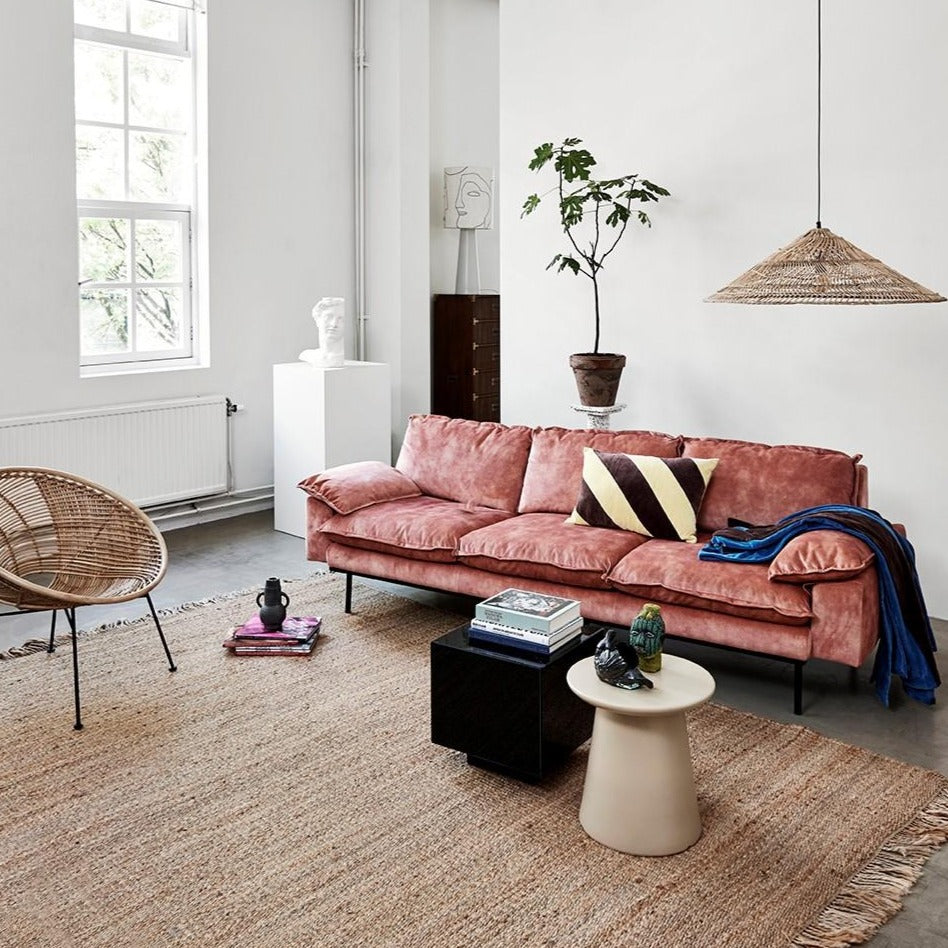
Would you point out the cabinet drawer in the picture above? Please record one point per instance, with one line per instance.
(485, 332)
(486, 359)
(488, 307)
(486, 407)
(486, 383)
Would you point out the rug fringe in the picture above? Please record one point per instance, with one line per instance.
(875, 893)
(31, 646)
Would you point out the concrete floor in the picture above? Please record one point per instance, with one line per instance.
(242, 552)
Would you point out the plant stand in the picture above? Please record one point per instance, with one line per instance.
(599, 418)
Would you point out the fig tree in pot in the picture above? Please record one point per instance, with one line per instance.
(594, 214)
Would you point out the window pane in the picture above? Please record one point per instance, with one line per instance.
(153, 19)
(158, 251)
(103, 249)
(108, 14)
(157, 91)
(135, 178)
(158, 319)
(98, 84)
(100, 163)
(157, 168)
(104, 316)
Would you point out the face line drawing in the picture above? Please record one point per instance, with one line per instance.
(472, 198)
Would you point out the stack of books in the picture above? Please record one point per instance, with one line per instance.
(529, 621)
(297, 636)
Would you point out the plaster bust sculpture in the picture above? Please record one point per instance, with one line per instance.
(330, 317)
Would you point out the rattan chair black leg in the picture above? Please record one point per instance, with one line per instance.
(52, 635)
(161, 635)
(71, 616)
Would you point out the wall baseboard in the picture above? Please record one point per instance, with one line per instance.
(174, 516)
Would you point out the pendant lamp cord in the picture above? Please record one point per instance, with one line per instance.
(819, 105)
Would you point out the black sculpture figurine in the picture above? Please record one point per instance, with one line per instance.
(617, 663)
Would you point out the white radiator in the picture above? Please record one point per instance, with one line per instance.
(150, 452)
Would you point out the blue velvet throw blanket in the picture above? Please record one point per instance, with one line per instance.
(906, 642)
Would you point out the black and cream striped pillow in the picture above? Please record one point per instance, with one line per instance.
(658, 497)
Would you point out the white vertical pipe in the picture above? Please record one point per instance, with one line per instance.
(359, 65)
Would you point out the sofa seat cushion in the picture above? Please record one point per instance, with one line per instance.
(667, 571)
(761, 483)
(420, 528)
(554, 468)
(541, 546)
(475, 462)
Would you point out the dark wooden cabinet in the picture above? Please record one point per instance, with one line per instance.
(465, 356)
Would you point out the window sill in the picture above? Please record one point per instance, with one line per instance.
(137, 368)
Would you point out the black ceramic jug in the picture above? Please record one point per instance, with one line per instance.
(275, 601)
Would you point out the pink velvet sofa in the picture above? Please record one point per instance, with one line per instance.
(474, 507)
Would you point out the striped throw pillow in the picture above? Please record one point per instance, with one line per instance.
(658, 497)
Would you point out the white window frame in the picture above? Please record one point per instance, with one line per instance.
(189, 354)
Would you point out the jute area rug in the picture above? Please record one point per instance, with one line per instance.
(299, 802)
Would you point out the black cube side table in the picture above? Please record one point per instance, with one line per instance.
(509, 711)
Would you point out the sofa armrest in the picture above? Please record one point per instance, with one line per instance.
(317, 513)
(845, 623)
(820, 556)
(350, 487)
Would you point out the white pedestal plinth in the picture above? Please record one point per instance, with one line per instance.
(599, 418)
(321, 418)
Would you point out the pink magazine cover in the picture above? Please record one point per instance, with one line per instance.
(295, 629)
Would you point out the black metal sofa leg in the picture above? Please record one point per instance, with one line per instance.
(348, 593)
(71, 618)
(161, 635)
(798, 687)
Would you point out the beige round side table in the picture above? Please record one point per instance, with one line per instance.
(639, 795)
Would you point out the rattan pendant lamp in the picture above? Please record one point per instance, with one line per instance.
(820, 266)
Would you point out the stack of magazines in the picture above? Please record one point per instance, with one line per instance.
(529, 621)
(297, 636)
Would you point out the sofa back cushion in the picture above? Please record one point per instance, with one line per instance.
(760, 483)
(474, 462)
(555, 466)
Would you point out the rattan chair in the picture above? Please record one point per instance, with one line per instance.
(66, 542)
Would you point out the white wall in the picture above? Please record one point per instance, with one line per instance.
(280, 209)
(397, 226)
(38, 243)
(717, 102)
(431, 102)
(713, 100)
(280, 201)
(281, 237)
(464, 125)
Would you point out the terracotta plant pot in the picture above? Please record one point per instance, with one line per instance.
(597, 377)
